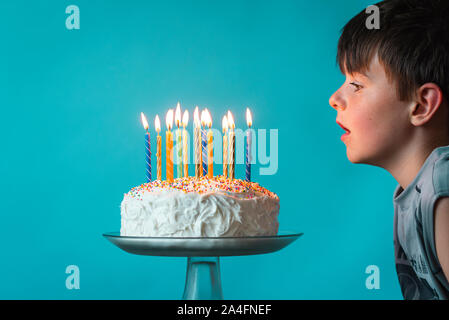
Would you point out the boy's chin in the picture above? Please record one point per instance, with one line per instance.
(357, 158)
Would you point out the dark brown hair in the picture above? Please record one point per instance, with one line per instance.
(412, 44)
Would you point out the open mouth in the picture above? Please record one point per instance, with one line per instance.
(344, 128)
(347, 131)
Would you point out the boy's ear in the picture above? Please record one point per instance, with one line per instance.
(428, 99)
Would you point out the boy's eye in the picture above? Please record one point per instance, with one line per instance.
(356, 86)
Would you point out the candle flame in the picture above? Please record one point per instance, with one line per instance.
(178, 115)
(203, 117)
(157, 124)
(144, 121)
(249, 118)
(185, 118)
(231, 123)
(224, 123)
(169, 119)
(196, 117)
(208, 119)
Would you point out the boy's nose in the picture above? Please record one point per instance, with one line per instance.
(336, 101)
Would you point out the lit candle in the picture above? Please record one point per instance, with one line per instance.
(197, 142)
(185, 120)
(249, 122)
(231, 145)
(225, 146)
(178, 141)
(157, 125)
(204, 141)
(147, 147)
(169, 145)
(210, 147)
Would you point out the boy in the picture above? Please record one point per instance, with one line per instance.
(393, 107)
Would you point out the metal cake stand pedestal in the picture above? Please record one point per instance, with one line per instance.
(203, 280)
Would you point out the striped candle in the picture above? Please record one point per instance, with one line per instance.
(231, 154)
(248, 156)
(204, 142)
(169, 146)
(169, 162)
(249, 122)
(147, 147)
(196, 142)
(225, 146)
(210, 147)
(157, 126)
(178, 141)
(197, 146)
(204, 148)
(231, 145)
(148, 156)
(159, 158)
(179, 153)
(185, 153)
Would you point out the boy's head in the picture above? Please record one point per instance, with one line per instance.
(397, 80)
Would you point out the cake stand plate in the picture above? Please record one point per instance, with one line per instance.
(201, 246)
(203, 280)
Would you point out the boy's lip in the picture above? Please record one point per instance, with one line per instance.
(343, 127)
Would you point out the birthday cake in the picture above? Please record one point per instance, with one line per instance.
(199, 207)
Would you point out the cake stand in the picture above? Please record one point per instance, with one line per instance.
(203, 280)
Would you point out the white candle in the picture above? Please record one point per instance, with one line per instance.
(185, 120)
(249, 122)
(196, 142)
(231, 145)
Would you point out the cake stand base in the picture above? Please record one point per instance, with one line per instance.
(203, 280)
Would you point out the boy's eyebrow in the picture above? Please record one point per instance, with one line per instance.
(363, 74)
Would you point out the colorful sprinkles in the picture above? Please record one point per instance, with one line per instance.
(204, 185)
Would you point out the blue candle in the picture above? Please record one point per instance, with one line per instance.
(204, 148)
(204, 142)
(148, 156)
(247, 160)
(147, 148)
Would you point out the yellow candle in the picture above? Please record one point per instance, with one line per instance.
(210, 158)
(169, 146)
(185, 120)
(225, 146)
(157, 125)
(159, 158)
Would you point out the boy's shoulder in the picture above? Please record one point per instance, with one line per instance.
(440, 172)
(431, 184)
(434, 177)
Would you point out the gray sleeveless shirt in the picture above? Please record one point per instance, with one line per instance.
(419, 271)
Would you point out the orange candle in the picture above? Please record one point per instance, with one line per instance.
(169, 145)
(157, 125)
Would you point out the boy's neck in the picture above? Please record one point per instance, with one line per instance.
(407, 164)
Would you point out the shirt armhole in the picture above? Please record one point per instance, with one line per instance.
(429, 238)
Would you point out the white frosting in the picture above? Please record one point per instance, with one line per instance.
(174, 213)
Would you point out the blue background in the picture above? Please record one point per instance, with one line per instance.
(72, 143)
